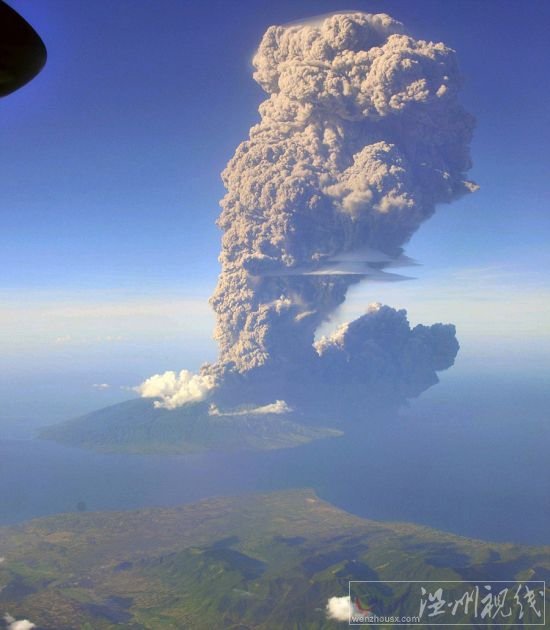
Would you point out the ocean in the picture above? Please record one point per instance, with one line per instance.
(470, 457)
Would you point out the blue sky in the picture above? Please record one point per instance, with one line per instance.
(111, 167)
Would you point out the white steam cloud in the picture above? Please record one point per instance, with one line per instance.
(360, 137)
(338, 608)
(278, 407)
(175, 390)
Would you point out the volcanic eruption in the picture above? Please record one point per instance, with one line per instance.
(360, 137)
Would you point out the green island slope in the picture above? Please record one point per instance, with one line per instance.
(266, 562)
(136, 426)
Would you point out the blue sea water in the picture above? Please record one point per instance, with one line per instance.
(471, 458)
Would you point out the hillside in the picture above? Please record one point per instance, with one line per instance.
(266, 562)
(137, 426)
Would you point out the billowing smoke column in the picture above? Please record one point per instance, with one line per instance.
(361, 135)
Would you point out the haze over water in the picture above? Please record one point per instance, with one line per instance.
(469, 457)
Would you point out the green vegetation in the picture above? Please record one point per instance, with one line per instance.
(136, 426)
(266, 562)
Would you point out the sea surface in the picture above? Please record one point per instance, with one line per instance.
(471, 458)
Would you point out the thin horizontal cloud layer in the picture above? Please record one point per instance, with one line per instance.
(360, 137)
(278, 407)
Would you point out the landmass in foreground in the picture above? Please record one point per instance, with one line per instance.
(267, 562)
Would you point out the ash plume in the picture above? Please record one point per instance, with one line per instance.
(360, 137)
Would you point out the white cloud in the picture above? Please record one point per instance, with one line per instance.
(277, 407)
(176, 390)
(101, 386)
(21, 624)
(338, 608)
